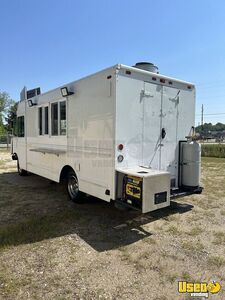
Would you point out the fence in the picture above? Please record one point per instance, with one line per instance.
(5, 140)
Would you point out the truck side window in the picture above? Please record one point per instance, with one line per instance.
(63, 118)
(40, 120)
(46, 120)
(20, 126)
(54, 115)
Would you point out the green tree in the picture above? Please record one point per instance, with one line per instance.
(11, 118)
(219, 127)
(5, 104)
(208, 127)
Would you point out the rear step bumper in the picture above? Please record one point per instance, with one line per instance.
(181, 192)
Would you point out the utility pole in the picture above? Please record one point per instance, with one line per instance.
(202, 116)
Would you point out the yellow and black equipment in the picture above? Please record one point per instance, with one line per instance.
(132, 190)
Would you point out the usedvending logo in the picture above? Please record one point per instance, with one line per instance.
(199, 289)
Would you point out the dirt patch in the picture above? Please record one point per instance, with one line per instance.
(51, 248)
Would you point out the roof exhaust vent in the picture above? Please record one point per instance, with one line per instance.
(147, 66)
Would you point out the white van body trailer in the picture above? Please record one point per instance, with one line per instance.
(116, 135)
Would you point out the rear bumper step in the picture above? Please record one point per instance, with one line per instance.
(181, 192)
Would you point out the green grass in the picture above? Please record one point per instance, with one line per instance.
(192, 246)
(215, 150)
(216, 261)
(9, 284)
(186, 276)
(3, 164)
(172, 277)
(195, 231)
(219, 238)
(172, 229)
(150, 241)
(4, 150)
(35, 229)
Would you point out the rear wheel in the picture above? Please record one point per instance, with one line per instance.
(21, 172)
(72, 187)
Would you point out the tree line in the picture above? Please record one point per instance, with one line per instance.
(209, 127)
(8, 109)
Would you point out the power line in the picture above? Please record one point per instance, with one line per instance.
(211, 117)
(219, 81)
(202, 97)
(215, 114)
(202, 86)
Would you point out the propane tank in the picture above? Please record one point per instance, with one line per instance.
(191, 164)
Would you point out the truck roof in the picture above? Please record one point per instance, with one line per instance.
(158, 75)
(127, 68)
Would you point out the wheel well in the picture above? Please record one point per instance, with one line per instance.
(64, 172)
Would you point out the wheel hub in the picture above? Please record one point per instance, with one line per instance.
(73, 187)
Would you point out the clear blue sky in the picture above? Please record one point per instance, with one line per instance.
(47, 43)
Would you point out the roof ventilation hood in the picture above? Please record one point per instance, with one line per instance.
(147, 66)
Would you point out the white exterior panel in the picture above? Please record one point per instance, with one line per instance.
(152, 104)
(145, 107)
(88, 146)
(129, 121)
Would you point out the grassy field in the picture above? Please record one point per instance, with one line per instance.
(213, 150)
(51, 248)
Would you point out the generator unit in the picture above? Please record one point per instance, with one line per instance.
(146, 190)
(132, 190)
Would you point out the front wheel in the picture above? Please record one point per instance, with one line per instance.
(21, 172)
(72, 187)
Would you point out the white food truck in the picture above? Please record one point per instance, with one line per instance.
(124, 134)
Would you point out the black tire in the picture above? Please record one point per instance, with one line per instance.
(72, 187)
(21, 172)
